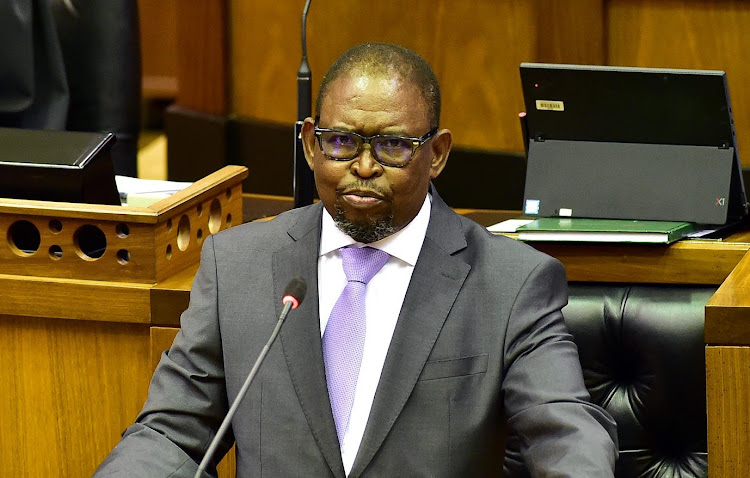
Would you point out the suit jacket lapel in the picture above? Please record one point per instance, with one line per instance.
(300, 336)
(422, 316)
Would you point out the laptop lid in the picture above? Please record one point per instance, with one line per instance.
(630, 143)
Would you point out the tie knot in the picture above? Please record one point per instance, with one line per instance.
(362, 263)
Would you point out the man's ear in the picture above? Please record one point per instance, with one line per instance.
(308, 141)
(441, 146)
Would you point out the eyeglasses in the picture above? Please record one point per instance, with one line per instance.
(388, 150)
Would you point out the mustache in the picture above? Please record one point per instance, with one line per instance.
(365, 187)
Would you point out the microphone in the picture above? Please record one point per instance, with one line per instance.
(303, 177)
(293, 294)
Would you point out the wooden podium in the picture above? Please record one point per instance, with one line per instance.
(83, 291)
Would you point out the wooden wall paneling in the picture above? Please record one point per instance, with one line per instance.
(196, 125)
(69, 390)
(474, 47)
(687, 34)
(571, 31)
(158, 23)
(202, 66)
(728, 403)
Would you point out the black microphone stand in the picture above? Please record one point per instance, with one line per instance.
(303, 176)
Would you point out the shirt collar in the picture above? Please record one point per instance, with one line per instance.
(405, 244)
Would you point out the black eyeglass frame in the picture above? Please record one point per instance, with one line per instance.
(415, 143)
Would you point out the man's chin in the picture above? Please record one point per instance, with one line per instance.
(366, 230)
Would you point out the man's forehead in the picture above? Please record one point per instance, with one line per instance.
(380, 82)
(369, 90)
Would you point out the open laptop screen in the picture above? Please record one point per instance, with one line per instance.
(584, 113)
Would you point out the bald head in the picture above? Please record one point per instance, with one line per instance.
(386, 60)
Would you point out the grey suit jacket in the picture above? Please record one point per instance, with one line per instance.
(480, 336)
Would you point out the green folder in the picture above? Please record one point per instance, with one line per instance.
(604, 230)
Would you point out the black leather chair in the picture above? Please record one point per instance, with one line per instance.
(73, 65)
(642, 352)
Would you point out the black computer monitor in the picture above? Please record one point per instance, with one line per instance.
(66, 166)
(635, 143)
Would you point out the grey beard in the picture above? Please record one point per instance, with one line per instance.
(373, 230)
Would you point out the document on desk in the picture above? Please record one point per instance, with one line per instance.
(604, 230)
(137, 192)
(569, 229)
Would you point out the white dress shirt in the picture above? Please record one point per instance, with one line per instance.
(384, 297)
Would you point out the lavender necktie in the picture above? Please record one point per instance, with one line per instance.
(344, 337)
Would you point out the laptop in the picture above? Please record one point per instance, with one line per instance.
(630, 143)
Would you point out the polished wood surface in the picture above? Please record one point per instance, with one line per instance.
(79, 352)
(117, 243)
(685, 262)
(728, 400)
(689, 261)
(699, 34)
(728, 311)
(571, 32)
(202, 56)
(158, 22)
(69, 390)
(475, 50)
(245, 63)
(74, 299)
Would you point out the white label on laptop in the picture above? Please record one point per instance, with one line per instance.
(564, 211)
(531, 207)
(550, 105)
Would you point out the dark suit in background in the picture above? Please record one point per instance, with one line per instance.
(73, 65)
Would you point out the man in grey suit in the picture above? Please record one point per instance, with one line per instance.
(463, 338)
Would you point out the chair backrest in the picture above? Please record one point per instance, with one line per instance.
(642, 353)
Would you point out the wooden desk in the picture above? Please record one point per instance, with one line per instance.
(727, 336)
(79, 354)
(76, 353)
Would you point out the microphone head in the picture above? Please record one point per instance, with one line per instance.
(295, 291)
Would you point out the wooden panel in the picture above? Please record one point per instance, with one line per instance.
(158, 22)
(68, 247)
(202, 57)
(69, 390)
(571, 32)
(74, 299)
(685, 262)
(134, 244)
(728, 405)
(170, 297)
(687, 34)
(474, 47)
(728, 310)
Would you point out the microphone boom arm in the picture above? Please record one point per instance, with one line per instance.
(303, 177)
